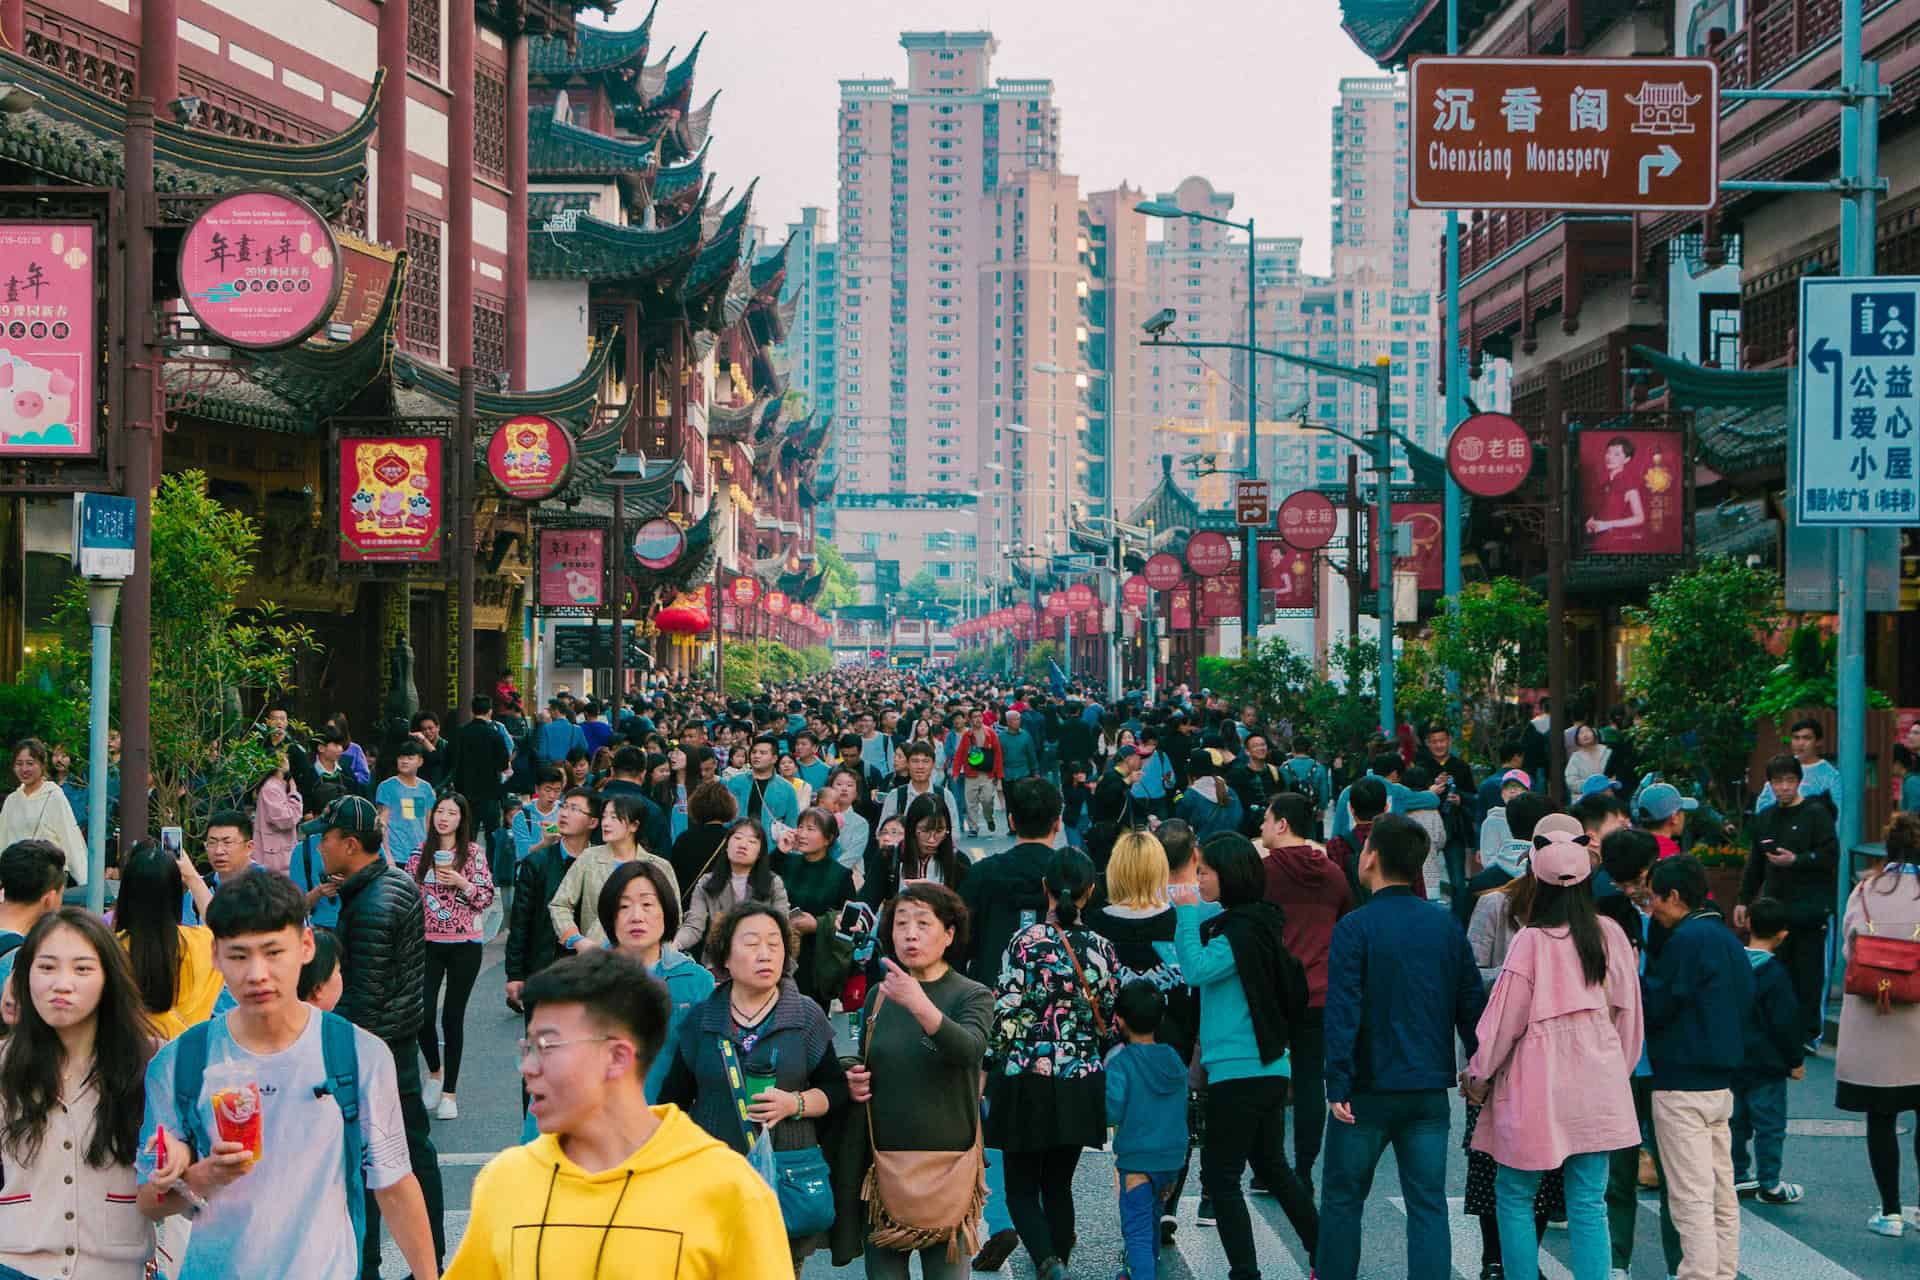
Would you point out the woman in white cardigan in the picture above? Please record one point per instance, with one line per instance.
(39, 810)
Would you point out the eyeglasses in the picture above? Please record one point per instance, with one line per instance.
(538, 1049)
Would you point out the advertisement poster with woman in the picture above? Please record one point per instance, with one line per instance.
(1631, 496)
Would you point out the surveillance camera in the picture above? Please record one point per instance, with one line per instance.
(1161, 322)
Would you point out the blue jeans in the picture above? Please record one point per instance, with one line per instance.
(1759, 1114)
(1415, 1125)
(1513, 1192)
(998, 1219)
(1140, 1220)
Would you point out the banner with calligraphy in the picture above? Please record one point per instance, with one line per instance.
(1180, 607)
(572, 568)
(1224, 595)
(1632, 493)
(48, 330)
(392, 504)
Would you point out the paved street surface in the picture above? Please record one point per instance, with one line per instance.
(1822, 1238)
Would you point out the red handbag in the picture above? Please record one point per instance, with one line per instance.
(1884, 970)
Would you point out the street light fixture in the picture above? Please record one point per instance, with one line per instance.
(1156, 329)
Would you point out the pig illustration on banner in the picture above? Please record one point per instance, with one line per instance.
(36, 403)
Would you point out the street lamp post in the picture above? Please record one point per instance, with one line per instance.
(1167, 209)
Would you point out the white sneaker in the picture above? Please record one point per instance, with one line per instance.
(1887, 1224)
(1618, 1273)
(430, 1092)
(448, 1109)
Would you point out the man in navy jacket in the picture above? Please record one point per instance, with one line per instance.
(1696, 992)
(1401, 986)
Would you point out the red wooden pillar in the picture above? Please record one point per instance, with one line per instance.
(13, 24)
(390, 223)
(517, 209)
(460, 78)
(159, 53)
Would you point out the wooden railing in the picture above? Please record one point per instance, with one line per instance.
(1484, 241)
(1774, 39)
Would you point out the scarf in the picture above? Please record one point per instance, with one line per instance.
(1273, 981)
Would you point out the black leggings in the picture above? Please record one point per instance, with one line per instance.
(1040, 1199)
(1883, 1155)
(459, 962)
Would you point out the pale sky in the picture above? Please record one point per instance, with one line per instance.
(1149, 91)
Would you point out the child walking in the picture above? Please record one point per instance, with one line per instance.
(1147, 1110)
(1774, 1054)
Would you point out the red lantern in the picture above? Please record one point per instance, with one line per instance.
(687, 615)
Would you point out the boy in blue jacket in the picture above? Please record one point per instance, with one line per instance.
(1147, 1110)
(1774, 1054)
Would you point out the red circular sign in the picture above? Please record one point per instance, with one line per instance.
(658, 543)
(745, 590)
(1308, 520)
(259, 270)
(1164, 571)
(1489, 455)
(1080, 596)
(1022, 612)
(1209, 554)
(1058, 606)
(1134, 592)
(775, 603)
(528, 456)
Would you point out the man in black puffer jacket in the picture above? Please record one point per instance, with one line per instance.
(383, 956)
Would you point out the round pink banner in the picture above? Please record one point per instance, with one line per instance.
(259, 270)
(1080, 596)
(1134, 591)
(1164, 571)
(1308, 520)
(1489, 455)
(528, 456)
(1209, 554)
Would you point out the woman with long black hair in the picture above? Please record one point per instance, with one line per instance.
(456, 886)
(745, 875)
(1252, 993)
(72, 1096)
(172, 962)
(1046, 1088)
(928, 853)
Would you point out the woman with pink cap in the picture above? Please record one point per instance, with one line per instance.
(1558, 1043)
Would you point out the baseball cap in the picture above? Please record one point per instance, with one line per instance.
(1561, 859)
(1558, 824)
(1598, 784)
(1517, 775)
(353, 815)
(1661, 800)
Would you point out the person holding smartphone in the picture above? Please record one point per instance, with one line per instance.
(817, 887)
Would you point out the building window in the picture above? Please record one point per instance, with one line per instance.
(422, 307)
(490, 122)
(489, 333)
(423, 37)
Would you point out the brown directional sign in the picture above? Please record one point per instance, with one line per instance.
(1564, 133)
(1250, 502)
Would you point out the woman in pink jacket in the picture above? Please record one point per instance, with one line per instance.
(1558, 1043)
(276, 818)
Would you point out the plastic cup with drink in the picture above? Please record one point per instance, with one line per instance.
(236, 1107)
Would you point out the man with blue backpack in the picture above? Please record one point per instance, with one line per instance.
(275, 1104)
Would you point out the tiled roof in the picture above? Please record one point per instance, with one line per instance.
(593, 50)
(583, 247)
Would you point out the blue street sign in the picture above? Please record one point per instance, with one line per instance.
(102, 535)
(1855, 436)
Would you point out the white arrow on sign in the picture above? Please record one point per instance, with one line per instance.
(1664, 161)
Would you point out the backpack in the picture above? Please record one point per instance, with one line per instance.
(1291, 780)
(341, 1060)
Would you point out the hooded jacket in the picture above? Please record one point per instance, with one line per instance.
(1209, 806)
(681, 1207)
(1304, 882)
(1147, 1108)
(1772, 1024)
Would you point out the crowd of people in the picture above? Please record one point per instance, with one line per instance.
(773, 1006)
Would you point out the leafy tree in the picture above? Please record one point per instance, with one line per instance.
(1495, 637)
(1338, 709)
(1039, 655)
(1700, 674)
(215, 664)
(841, 588)
(1808, 678)
(923, 591)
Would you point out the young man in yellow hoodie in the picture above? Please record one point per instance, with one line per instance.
(612, 1189)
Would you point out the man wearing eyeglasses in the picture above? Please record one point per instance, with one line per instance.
(610, 1179)
(531, 944)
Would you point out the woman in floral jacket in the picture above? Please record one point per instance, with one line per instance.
(1046, 1091)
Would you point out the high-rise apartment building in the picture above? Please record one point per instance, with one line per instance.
(929, 173)
(1116, 385)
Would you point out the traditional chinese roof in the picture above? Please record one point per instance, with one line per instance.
(424, 390)
(1739, 415)
(735, 422)
(696, 126)
(770, 270)
(592, 51)
(557, 148)
(680, 183)
(653, 78)
(820, 486)
(712, 271)
(1391, 31)
(292, 390)
(583, 247)
(679, 78)
(75, 135)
